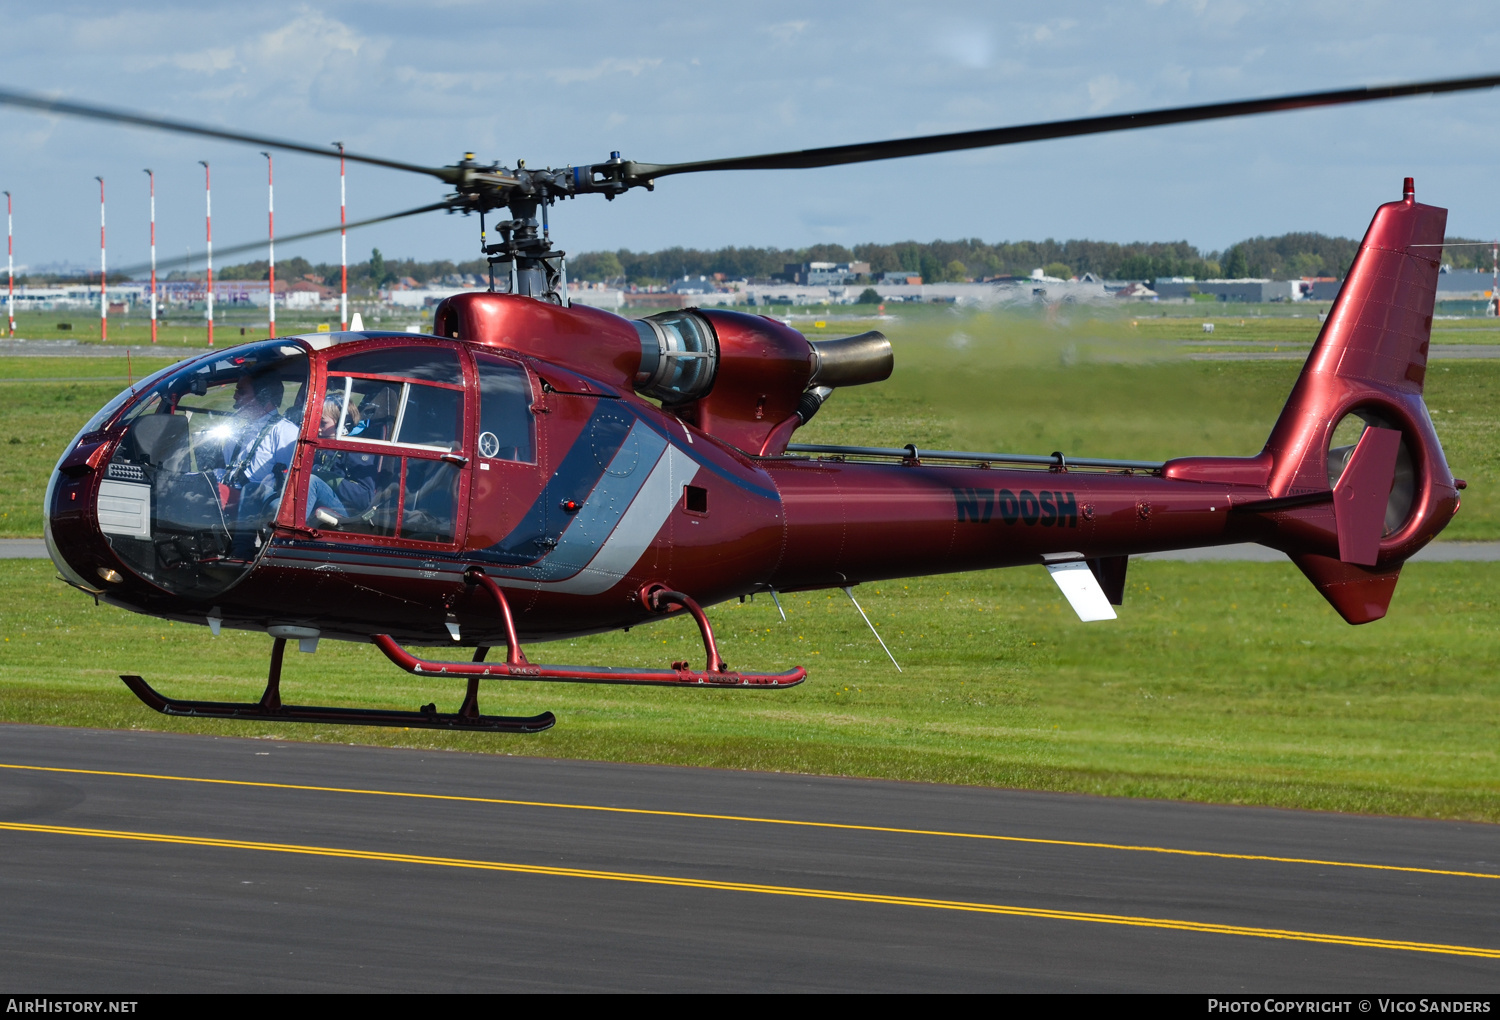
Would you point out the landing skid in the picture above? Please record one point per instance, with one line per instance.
(255, 712)
(716, 673)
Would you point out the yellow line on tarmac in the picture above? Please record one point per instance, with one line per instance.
(765, 821)
(767, 890)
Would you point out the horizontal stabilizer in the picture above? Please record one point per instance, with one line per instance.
(1360, 595)
(1361, 494)
(1081, 588)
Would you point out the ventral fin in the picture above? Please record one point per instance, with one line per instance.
(1079, 586)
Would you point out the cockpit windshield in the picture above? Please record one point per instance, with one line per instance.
(189, 497)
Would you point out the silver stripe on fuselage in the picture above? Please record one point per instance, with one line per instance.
(630, 539)
(596, 522)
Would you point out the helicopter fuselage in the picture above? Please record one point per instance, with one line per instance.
(594, 496)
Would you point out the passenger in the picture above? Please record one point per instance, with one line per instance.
(348, 477)
(320, 495)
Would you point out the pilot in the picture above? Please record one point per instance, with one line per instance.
(258, 452)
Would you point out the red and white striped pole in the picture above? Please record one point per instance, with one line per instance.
(271, 229)
(10, 268)
(208, 198)
(1494, 281)
(103, 276)
(152, 176)
(343, 249)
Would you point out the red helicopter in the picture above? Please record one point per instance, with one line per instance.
(538, 470)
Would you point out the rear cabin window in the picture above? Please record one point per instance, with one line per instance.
(505, 420)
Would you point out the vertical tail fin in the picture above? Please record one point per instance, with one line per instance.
(1366, 371)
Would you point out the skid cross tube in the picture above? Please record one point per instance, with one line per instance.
(661, 597)
(517, 667)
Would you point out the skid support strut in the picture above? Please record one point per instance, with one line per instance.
(516, 666)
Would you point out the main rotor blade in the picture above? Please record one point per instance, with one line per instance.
(42, 104)
(838, 155)
(240, 249)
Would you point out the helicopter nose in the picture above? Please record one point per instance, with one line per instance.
(75, 541)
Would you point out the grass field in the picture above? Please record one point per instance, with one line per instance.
(1231, 683)
(1225, 682)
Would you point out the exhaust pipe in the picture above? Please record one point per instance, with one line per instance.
(852, 361)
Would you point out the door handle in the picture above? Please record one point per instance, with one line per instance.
(454, 458)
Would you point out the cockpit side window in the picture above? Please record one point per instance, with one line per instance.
(505, 419)
(433, 364)
(406, 396)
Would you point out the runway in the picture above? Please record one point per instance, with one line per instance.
(147, 862)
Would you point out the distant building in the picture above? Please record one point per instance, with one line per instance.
(657, 300)
(901, 277)
(1464, 284)
(1136, 292)
(1320, 288)
(825, 274)
(692, 285)
(1249, 291)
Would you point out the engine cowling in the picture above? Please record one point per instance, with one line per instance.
(747, 379)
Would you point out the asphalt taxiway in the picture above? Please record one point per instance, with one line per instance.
(158, 862)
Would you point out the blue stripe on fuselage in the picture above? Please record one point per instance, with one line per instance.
(711, 467)
(576, 477)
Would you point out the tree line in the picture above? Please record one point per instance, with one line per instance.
(1288, 256)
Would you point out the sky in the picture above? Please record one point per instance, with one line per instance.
(661, 82)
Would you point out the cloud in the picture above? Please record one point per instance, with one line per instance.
(968, 46)
(607, 66)
(206, 61)
(1104, 90)
(289, 57)
(1049, 30)
(786, 31)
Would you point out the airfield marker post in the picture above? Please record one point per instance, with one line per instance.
(152, 178)
(208, 200)
(103, 276)
(343, 249)
(10, 268)
(271, 229)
